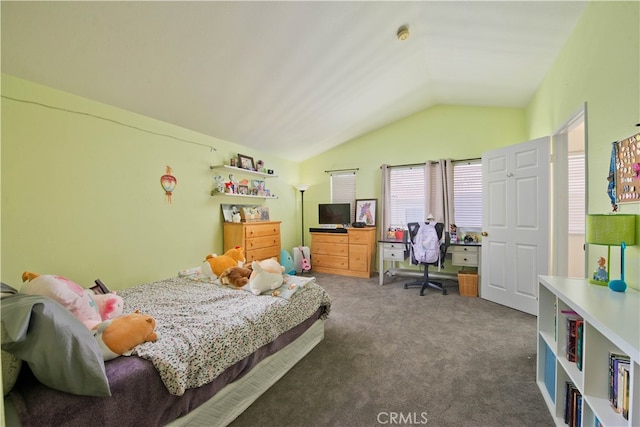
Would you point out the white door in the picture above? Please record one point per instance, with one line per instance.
(515, 219)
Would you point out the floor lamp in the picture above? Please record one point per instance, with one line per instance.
(612, 230)
(302, 188)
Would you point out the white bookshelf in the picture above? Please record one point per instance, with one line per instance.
(611, 324)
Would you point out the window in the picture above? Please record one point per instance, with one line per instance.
(343, 189)
(576, 189)
(467, 193)
(407, 195)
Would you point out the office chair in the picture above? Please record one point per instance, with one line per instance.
(425, 282)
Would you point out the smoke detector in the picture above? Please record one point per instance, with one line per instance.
(403, 33)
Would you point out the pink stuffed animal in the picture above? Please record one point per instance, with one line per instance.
(69, 294)
(109, 305)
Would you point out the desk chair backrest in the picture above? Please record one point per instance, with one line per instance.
(425, 242)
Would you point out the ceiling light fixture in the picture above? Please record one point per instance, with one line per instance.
(403, 33)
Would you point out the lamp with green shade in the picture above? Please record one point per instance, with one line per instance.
(612, 230)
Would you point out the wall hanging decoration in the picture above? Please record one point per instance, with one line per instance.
(627, 170)
(168, 183)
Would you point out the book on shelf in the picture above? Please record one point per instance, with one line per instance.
(572, 405)
(574, 339)
(619, 382)
(579, 341)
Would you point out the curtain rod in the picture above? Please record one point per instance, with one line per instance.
(342, 170)
(432, 161)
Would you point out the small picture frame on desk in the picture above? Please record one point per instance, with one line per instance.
(366, 211)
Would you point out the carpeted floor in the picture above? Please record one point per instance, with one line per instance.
(391, 357)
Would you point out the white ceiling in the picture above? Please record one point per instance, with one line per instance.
(291, 78)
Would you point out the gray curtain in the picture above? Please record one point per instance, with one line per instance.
(385, 212)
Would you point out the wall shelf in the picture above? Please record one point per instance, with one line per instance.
(217, 193)
(243, 171)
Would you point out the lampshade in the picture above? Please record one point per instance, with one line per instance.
(611, 229)
(302, 187)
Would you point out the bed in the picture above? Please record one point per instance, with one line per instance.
(219, 350)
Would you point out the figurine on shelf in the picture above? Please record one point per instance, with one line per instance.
(600, 275)
(259, 165)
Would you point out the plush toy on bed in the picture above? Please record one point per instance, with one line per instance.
(88, 307)
(66, 292)
(267, 275)
(109, 305)
(235, 276)
(214, 265)
(119, 336)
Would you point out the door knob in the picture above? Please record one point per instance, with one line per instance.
(484, 234)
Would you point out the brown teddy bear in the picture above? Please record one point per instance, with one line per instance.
(235, 276)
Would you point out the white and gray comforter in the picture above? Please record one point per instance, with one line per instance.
(205, 328)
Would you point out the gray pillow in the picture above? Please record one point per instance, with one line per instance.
(60, 350)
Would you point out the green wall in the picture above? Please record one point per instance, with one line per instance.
(456, 132)
(81, 196)
(600, 66)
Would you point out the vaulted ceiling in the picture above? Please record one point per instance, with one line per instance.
(292, 78)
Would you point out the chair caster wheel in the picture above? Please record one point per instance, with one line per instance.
(444, 292)
(421, 294)
(405, 286)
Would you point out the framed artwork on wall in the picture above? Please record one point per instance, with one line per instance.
(366, 211)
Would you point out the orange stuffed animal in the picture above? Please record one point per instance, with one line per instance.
(120, 335)
(214, 265)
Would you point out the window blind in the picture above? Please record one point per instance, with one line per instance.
(343, 189)
(576, 193)
(407, 195)
(467, 193)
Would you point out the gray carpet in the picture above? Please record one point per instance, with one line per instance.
(391, 357)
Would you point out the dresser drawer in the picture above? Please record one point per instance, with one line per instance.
(262, 253)
(329, 248)
(329, 261)
(333, 238)
(259, 230)
(262, 242)
(358, 259)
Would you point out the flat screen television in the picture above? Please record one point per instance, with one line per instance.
(334, 213)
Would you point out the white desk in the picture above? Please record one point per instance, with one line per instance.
(394, 251)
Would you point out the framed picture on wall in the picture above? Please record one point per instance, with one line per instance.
(366, 211)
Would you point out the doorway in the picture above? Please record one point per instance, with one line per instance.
(569, 202)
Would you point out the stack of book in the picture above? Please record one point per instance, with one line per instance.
(619, 382)
(575, 333)
(572, 406)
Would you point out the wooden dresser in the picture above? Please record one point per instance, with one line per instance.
(347, 254)
(260, 240)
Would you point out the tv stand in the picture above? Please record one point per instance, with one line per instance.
(343, 251)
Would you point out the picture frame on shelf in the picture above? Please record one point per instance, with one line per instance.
(259, 187)
(243, 189)
(366, 211)
(246, 162)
